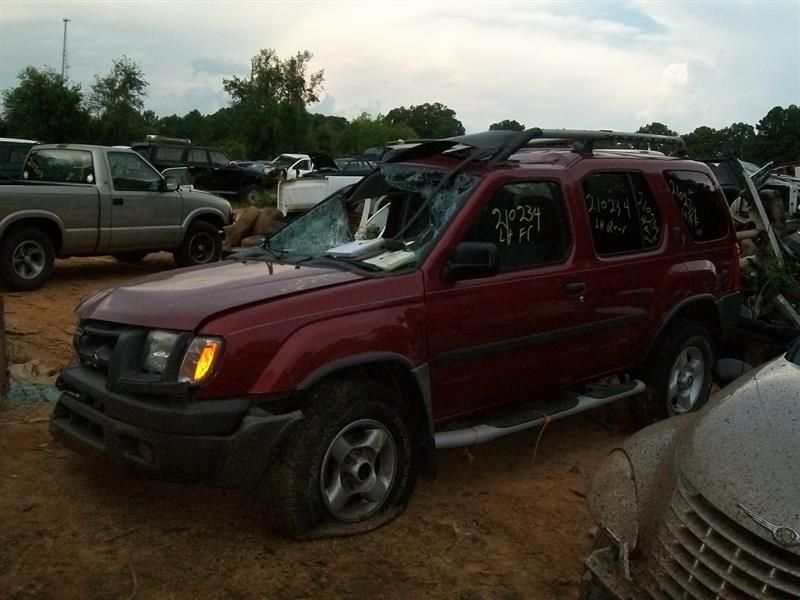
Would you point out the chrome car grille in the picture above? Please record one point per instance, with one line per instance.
(702, 553)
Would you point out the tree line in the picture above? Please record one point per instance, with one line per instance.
(268, 114)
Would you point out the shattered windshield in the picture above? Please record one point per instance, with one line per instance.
(388, 222)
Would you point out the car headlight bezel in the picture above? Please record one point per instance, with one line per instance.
(180, 356)
(613, 499)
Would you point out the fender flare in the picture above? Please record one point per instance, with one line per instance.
(34, 213)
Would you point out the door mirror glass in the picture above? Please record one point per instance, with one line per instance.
(472, 260)
(170, 183)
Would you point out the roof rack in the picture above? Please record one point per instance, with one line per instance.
(583, 140)
(154, 137)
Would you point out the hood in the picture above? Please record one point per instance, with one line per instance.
(744, 448)
(183, 299)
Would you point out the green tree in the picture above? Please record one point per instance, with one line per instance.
(778, 137)
(507, 125)
(428, 120)
(45, 107)
(117, 102)
(366, 131)
(269, 105)
(656, 128)
(703, 142)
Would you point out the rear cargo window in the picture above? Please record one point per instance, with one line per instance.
(699, 204)
(622, 212)
(526, 222)
(60, 165)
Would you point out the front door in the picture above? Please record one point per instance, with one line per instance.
(142, 216)
(508, 338)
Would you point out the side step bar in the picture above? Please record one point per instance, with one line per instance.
(479, 434)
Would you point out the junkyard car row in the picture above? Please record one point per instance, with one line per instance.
(461, 290)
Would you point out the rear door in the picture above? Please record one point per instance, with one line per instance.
(633, 269)
(200, 168)
(142, 216)
(508, 338)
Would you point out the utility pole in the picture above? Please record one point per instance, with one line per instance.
(64, 53)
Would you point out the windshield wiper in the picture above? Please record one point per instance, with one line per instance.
(341, 261)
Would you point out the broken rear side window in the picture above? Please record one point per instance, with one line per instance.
(622, 213)
(699, 204)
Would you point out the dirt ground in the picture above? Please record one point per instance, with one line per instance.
(495, 523)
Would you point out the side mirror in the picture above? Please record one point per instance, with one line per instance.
(170, 184)
(472, 260)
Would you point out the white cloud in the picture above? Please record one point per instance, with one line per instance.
(554, 64)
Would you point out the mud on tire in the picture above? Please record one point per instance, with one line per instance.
(348, 467)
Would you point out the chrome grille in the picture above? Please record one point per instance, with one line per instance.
(701, 553)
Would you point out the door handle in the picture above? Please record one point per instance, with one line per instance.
(575, 288)
(118, 201)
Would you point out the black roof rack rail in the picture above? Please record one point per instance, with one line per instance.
(583, 140)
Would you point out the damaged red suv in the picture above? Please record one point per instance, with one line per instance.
(457, 294)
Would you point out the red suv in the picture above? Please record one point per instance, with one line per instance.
(461, 292)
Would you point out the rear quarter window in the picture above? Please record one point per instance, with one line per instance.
(59, 165)
(699, 204)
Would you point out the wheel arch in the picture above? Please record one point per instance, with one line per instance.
(394, 371)
(701, 309)
(48, 223)
(216, 218)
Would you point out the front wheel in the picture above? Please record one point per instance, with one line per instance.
(26, 259)
(679, 374)
(347, 468)
(201, 245)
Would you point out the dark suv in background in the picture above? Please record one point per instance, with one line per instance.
(211, 169)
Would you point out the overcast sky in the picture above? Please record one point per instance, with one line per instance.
(551, 64)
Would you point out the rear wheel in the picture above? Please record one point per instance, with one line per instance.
(26, 258)
(250, 194)
(201, 245)
(347, 468)
(679, 373)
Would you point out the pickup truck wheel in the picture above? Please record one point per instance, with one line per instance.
(250, 194)
(201, 245)
(26, 259)
(347, 468)
(679, 374)
(130, 257)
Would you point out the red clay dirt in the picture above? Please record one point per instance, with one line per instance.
(495, 523)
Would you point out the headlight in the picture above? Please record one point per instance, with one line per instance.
(158, 347)
(200, 359)
(612, 499)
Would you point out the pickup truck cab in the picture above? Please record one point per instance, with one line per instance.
(510, 281)
(287, 167)
(76, 200)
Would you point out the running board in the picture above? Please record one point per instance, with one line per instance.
(479, 434)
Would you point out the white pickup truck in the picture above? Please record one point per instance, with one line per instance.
(296, 196)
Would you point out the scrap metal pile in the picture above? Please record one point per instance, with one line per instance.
(764, 206)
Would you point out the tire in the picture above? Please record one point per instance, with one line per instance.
(130, 257)
(328, 480)
(201, 245)
(26, 259)
(679, 374)
(250, 194)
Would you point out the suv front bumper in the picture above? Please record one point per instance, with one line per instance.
(225, 442)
